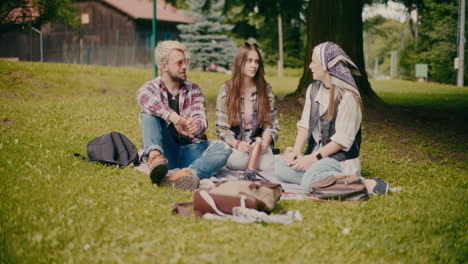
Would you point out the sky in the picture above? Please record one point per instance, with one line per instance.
(392, 10)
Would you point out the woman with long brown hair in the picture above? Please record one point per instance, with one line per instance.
(246, 109)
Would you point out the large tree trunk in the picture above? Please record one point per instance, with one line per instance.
(340, 22)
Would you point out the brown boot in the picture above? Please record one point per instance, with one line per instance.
(183, 179)
(157, 165)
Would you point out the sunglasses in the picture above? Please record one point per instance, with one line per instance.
(248, 45)
(183, 62)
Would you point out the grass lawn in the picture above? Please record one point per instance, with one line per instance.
(55, 208)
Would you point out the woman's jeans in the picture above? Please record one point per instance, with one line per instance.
(203, 158)
(317, 171)
(238, 160)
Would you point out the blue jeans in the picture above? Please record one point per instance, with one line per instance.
(238, 160)
(317, 171)
(203, 158)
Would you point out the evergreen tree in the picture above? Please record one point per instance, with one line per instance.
(207, 38)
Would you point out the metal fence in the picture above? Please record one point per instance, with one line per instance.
(27, 47)
(124, 55)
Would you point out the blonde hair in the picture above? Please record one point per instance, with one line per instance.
(165, 47)
(331, 100)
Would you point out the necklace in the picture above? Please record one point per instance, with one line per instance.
(173, 94)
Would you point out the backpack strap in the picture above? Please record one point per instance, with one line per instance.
(183, 209)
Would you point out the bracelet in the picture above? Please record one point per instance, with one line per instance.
(178, 121)
(237, 144)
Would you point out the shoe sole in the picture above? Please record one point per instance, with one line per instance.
(158, 173)
(184, 183)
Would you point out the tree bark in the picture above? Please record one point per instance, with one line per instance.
(340, 22)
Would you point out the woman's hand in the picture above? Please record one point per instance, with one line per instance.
(302, 163)
(290, 155)
(244, 146)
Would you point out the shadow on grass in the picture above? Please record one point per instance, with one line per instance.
(431, 131)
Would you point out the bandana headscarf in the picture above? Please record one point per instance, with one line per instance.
(335, 61)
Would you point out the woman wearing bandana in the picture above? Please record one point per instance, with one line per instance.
(330, 123)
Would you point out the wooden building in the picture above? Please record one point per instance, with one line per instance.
(113, 32)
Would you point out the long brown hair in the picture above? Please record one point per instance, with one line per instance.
(234, 88)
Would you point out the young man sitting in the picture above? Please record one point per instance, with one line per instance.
(174, 124)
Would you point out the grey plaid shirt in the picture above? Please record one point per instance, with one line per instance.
(223, 129)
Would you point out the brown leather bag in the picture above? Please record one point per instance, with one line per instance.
(343, 188)
(223, 197)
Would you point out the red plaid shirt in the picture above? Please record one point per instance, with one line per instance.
(153, 99)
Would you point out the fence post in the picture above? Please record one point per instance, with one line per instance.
(65, 58)
(81, 51)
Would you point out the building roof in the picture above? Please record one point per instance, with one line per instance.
(143, 9)
(136, 9)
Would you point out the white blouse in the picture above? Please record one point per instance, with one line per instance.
(347, 124)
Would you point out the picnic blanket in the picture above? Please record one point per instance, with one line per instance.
(291, 191)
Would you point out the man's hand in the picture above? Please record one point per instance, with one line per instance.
(181, 127)
(302, 163)
(191, 126)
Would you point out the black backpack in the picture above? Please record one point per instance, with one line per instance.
(112, 149)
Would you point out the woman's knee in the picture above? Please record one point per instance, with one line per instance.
(281, 169)
(237, 160)
(267, 161)
(286, 173)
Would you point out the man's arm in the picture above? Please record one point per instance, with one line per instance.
(198, 110)
(150, 100)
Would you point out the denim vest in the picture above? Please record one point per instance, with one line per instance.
(327, 128)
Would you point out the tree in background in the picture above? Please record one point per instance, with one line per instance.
(332, 20)
(381, 36)
(431, 40)
(437, 42)
(39, 12)
(340, 22)
(207, 38)
(258, 19)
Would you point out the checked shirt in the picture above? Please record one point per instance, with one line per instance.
(153, 99)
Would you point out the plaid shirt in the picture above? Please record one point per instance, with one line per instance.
(223, 129)
(153, 99)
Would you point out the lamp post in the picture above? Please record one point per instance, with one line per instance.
(461, 43)
(153, 39)
(40, 42)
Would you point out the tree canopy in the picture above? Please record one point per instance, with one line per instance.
(38, 12)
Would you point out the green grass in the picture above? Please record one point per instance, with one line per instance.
(430, 95)
(55, 208)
